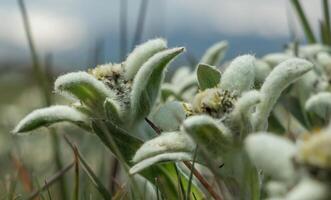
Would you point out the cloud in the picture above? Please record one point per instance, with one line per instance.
(238, 17)
(50, 31)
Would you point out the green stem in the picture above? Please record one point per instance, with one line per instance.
(326, 15)
(140, 22)
(304, 22)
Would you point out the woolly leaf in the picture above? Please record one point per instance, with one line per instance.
(262, 70)
(168, 91)
(311, 50)
(272, 154)
(288, 121)
(280, 77)
(208, 76)
(187, 84)
(84, 87)
(165, 157)
(48, 116)
(180, 74)
(168, 146)
(239, 76)
(112, 109)
(208, 134)
(141, 54)
(117, 139)
(308, 189)
(241, 115)
(274, 59)
(320, 104)
(147, 82)
(215, 53)
(169, 116)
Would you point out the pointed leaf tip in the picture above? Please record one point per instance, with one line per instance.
(208, 76)
(147, 82)
(215, 53)
(141, 54)
(84, 87)
(239, 76)
(279, 79)
(47, 116)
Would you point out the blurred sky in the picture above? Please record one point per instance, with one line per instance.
(70, 29)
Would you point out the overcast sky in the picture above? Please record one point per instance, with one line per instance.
(70, 28)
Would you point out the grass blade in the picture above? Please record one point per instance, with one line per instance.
(51, 181)
(76, 186)
(123, 28)
(304, 22)
(45, 90)
(94, 179)
(140, 22)
(326, 15)
(188, 191)
(180, 183)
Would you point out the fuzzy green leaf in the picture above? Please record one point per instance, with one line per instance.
(147, 82)
(169, 116)
(168, 146)
(309, 188)
(141, 54)
(273, 154)
(273, 59)
(242, 112)
(48, 116)
(117, 139)
(112, 109)
(209, 135)
(208, 76)
(83, 87)
(239, 76)
(320, 104)
(279, 78)
(215, 53)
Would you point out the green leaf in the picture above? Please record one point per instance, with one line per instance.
(320, 104)
(118, 140)
(83, 87)
(209, 135)
(164, 157)
(208, 76)
(147, 82)
(262, 70)
(239, 76)
(241, 116)
(273, 154)
(273, 59)
(215, 53)
(309, 188)
(169, 146)
(127, 145)
(169, 116)
(288, 121)
(112, 109)
(279, 78)
(141, 54)
(48, 116)
(169, 91)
